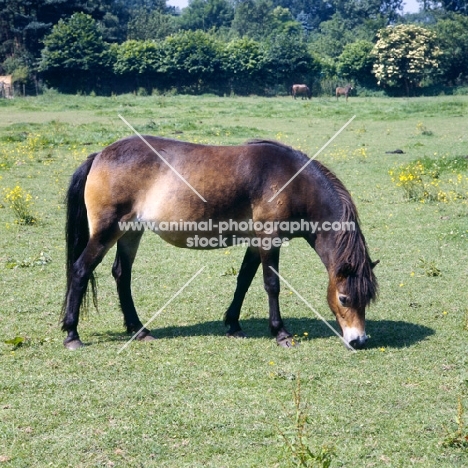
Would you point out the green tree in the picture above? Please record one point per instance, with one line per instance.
(333, 35)
(284, 22)
(145, 25)
(253, 18)
(19, 67)
(75, 56)
(192, 61)
(20, 29)
(310, 12)
(453, 41)
(243, 63)
(404, 55)
(138, 63)
(355, 63)
(24, 23)
(358, 11)
(454, 6)
(288, 61)
(207, 15)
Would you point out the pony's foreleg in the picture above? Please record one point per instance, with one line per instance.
(127, 247)
(80, 274)
(270, 258)
(247, 272)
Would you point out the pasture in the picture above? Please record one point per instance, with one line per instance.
(194, 397)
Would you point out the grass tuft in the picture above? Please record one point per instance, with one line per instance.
(459, 438)
(296, 438)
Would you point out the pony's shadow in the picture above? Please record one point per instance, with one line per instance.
(382, 333)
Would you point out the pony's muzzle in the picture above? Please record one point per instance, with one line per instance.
(354, 340)
(357, 343)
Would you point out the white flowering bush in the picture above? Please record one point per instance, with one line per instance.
(404, 55)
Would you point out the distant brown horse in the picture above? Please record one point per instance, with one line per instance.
(301, 90)
(343, 91)
(262, 191)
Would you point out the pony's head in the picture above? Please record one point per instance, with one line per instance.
(350, 291)
(352, 283)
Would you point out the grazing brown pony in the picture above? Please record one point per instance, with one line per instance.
(158, 180)
(301, 90)
(343, 91)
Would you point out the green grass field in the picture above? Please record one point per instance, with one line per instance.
(195, 398)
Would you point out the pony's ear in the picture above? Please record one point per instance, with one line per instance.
(373, 264)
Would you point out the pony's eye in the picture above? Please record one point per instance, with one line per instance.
(343, 300)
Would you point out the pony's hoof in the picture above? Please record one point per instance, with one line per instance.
(145, 338)
(287, 342)
(237, 334)
(73, 345)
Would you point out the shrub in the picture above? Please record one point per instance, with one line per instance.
(20, 202)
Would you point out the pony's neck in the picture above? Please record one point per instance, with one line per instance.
(324, 244)
(333, 212)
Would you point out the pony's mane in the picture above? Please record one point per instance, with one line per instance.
(351, 258)
(259, 141)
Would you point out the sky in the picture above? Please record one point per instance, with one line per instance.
(411, 6)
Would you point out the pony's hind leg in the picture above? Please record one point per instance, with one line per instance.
(80, 274)
(127, 247)
(247, 272)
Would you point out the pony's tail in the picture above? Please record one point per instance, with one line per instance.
(77, 228)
